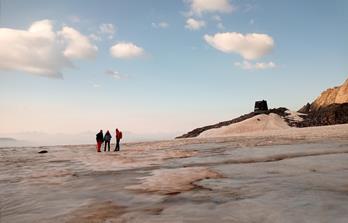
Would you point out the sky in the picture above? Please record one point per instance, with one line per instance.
(162, 68)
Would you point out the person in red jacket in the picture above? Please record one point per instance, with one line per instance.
(118, 138)
(100, 139)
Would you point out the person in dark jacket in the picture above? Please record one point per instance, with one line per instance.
(118, 138)
(107, 139)
(99, 138)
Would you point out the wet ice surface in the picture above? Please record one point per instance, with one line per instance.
(239, 179)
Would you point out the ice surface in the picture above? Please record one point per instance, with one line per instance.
(291, 175)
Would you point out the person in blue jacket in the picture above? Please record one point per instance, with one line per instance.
(107, 139)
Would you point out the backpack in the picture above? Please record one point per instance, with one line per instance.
(120, 135)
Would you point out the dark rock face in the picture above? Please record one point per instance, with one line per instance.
(305, 109)
(261, 106)
(330, 115)
(330, 108)
(196, 132)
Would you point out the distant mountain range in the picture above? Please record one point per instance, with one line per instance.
(330, 108)
(8, 142)
(88, 137)
(7, 139)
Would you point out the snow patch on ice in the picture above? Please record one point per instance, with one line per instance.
(169, 181)
(257, 123)
(294, 116)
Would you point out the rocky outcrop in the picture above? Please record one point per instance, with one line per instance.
(194, 133)
(336, 95)
(330, 108)
(305, 109)
(330, 115)
(261, 106)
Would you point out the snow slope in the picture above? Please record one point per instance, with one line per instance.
(257, 123)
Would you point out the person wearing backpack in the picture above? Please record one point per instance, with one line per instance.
(107, 139)
(100, 139)
(118, 139)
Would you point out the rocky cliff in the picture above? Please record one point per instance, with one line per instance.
(332, 114)
(336, 95)
(330, 108)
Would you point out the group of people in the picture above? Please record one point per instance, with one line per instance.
(101, 138)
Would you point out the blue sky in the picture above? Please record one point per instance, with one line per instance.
(174, 79)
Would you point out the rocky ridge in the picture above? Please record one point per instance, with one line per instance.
(336, 95)
(194, 133)
(330, 108)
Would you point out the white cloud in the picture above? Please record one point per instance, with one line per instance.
(249, 7)
(198, 7)
(249, 46)
(78, 45)
(126, 50)
(94, 85)
(116, 75)
(107, 28)
(95, 37)
(194, 24)
(216, 18)
(162, 25)
(220, 25)
(34, 51)
(40, 50)
(246, 65)
(74, 19)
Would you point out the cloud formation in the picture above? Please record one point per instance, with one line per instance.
(126, 50)
(246, 65)
(78, 46)
(161, 25)
(107, 28)
(220, 26)
(42, 51)
(104, 30)
(194, 24)
(250, 46)
(198, 7)
(115, 74)
(216, 18)
(74, 19)
(95, 37)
